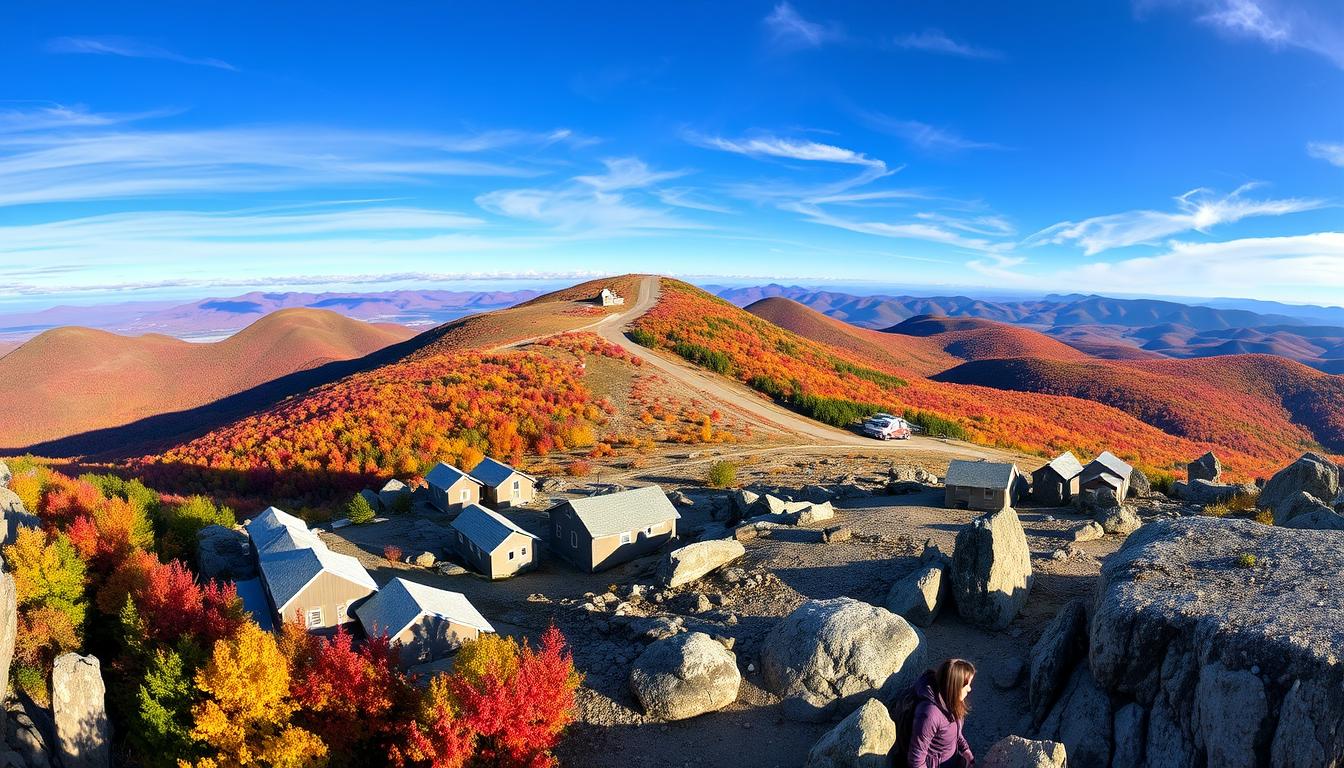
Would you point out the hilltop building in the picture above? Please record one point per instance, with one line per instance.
(301, 577)
(1106, 471)
(502, 485)
(608, 298)
(598, 532)
(1057, 483)
(987, 485)
(451, 489)
(492, 544)
(425, 621)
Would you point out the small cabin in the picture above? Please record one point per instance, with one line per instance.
(598, 532)
(1106, 471)
(609, 298)
(425, 621)
(451, 489)
(1056, 483)
(502, 486)
(492, 544)
(986, 485)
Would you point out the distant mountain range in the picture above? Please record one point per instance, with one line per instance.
(1101, 326)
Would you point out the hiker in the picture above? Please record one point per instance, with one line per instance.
(935, 711)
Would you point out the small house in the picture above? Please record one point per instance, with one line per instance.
(451, 489)
(392, 494)
(598, 532)
(1056, 483)
(425, 621)
(492, 544)
(988, 485)
(608, 298)
(1106, 471)
(275, 530)
(319, 586)
(502, 485)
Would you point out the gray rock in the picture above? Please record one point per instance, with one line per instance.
(1017, 752)
(1232, 715)
(1130, 724)
(1007, 672)
(391, 493)
(1312, 473)
(1054, 656)
(9, 629)
(1121, 519)
(813, 513)
(1298, 505)
(224, 553)
(452, 569)
(1209, 492)
(1206, 467)
(27, 738)
(1173, 606)
(77, 705)
(693, 561)
(1088, 531)
(684, 676)
(424, 560)
(816, 494)
(1139, 484)
(1319, 519)
(920, 596)
(5, 474)
(991, 569)
(836, 534)
(827, 656)
(1082, 720)
(861, 740)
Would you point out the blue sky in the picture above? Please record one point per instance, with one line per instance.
(1180, 147)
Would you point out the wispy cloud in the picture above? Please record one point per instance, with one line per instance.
(1330, 152)
(787, 149)
(936, 41)
(62, 117)
(790, 31)
(1199, 210)
(1311, 25)
(917, 230)
(132, 49)
(927, 137)
(627, 173)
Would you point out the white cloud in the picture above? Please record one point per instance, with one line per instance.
(1199, 210)
(1294, 265)
(1330, 152)
(133, 49)
(59, 116)
(787, 149)
(922, 135)
(789, 30)
(904, 230)
(935, 41)
(627, 173)
(1311, 25)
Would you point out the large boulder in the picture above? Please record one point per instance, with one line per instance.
(1130, 734)
(1300, 505)
(1122, 519)
(685, 675)
(13, 516)
(861, 740)
(1318, 519)
(827, 656)
(1226, 660)
(1081, 720)
(1206, 467)
(9, 630)
(1139, 484)
(991, 569)
(689, 563)
(223, 553)
(78, 706)
(1313, 473)
(1209, 492)
(1054, 655)
(1017, 752)
(920, 595)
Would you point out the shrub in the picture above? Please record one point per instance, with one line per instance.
(642, 337)
(1245, 560)
(392, 552)
(936, 426)
(359, 510)
(1264, 517)
(705, 357)
(722, 474)
(833, 410)
(579, 469)
(1163, 482)
(868, 374)
(31, 681)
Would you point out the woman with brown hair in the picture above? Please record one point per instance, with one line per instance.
(936, 738)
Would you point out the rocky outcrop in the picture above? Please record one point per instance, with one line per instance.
(685, 675)
(1054, 655)
(1081, 720)
(861, 740)
(1017, 752)
(1321, 518)
(991, 569)
(1121, 519)
(920, 596)
(827, 656)
(1230, 665)
(224, 553)
(9, 629)
(686, 564)
(1206, 467)
(5, 475)
(77, 704)
(1312, 473)
(1209, 492)
(1139, 484)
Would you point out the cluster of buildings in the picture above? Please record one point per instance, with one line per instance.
(992, 485)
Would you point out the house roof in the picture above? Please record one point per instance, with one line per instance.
(276, 529)
(1109, 462)
(444, 475)
(492, 472)
(288, 572)
(401, 603)
(1066, 465)
(980, 474)
(486, 528)
(1103, 476)
(623, 511)
(288, 539)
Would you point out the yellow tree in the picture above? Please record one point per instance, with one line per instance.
(244, 719)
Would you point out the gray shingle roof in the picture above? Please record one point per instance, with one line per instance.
(492, 472)
(288, 539)
(288, 572)
(485, 528)
(624, 511)
(277, 530)
(444, 475)
(1111, 463)
(400, 603)
(1066, 465)
(980, 474)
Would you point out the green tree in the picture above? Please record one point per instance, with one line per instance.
(359, 510)
(179, 524)
(161, 723)
(722, 474)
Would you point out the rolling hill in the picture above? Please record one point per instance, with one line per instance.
(74, 380)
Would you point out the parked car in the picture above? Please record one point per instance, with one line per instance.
(884, 426)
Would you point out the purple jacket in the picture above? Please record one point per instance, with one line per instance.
(935, 737)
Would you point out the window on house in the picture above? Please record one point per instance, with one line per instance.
(625, 538)
(510, 554)
(524, 551)
(466, 495)
(517, 489)
(649, 530)
(315, 618)
(574, 539)
(340, 612)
